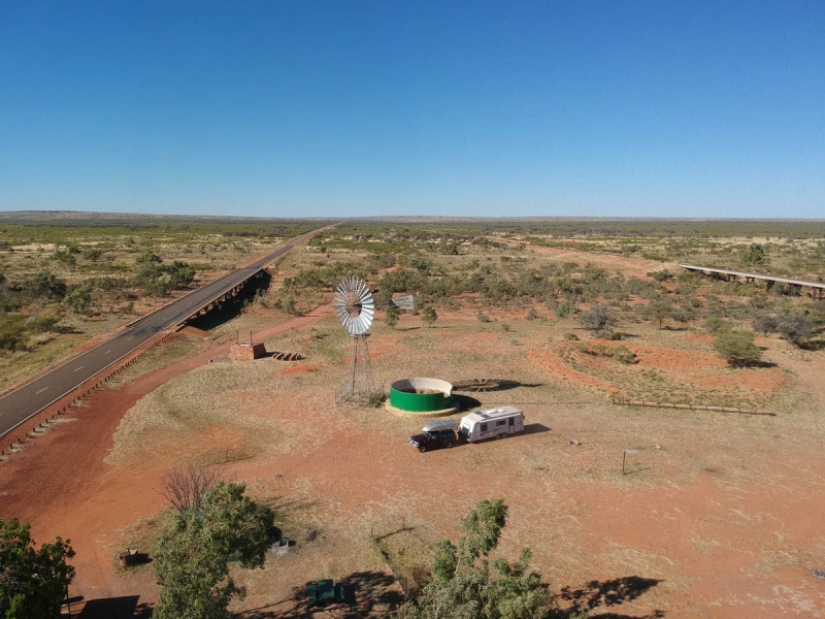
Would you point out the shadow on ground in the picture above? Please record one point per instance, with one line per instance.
(375, 593)
(605, 594)
(484, 385)
(125, 607)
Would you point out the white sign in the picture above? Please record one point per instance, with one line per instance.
(403, 303)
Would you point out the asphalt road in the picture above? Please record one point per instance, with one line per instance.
(25, 402)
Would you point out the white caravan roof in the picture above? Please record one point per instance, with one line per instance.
(492, 413)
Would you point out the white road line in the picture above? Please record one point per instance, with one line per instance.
(41, 391)
(108, 351)
(80, 368)
(129, 338)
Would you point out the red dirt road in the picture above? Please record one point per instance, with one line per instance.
(61, 485)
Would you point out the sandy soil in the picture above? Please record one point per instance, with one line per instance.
(716, 517)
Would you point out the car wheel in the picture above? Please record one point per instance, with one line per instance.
(422, 448)
(448, 445)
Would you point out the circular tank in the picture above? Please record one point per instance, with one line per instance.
(421, 395)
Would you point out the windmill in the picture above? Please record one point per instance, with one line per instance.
(355, 308)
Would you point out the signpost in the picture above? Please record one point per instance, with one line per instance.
(624, 456)
(403, 303)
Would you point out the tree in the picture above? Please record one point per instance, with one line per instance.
(186, 486)
(43, 287)
(392, 316)
(795, 328)
(192, 563)
(181, 274)
(33, 583)
(738, 348)
(463, 585)
(429, 315)
(78, 300)
(597, 318)
(658, 309)
(754, 255)
(765, 323)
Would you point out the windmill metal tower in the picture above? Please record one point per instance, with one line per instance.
(355, 308)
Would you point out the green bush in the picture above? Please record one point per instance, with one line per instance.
(15, 329)
(738, 348)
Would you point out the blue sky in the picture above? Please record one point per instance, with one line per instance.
(344, 109)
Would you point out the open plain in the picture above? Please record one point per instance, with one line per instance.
(715, 515)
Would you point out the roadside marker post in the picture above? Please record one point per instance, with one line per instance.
(624, 457)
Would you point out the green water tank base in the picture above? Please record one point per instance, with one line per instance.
(421, 395)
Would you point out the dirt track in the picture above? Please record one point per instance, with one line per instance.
(61, 485)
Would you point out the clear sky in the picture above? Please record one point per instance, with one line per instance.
(383, 107)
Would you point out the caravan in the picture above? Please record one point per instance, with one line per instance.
(491, 423)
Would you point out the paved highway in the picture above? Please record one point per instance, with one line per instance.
(25, 402)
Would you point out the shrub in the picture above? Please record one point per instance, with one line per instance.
(597, 318)
(765, 323)
(623, 354)
(661, 276)
(738, 348)
(391, 317)
(717, 324)
(795, 329)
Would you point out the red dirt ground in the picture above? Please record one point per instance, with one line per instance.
(739, 539)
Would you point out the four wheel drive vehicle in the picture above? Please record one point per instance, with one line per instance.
(436, 434)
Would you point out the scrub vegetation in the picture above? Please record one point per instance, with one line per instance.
(559, 317)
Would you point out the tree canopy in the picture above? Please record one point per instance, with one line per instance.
(33, 583)
(738, 348)
(463, 586)
(193, 560)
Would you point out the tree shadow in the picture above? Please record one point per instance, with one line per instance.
(125, 607)
(485, 385)
(375, 593)
(754, 364)
(66, 330)
(608, 593)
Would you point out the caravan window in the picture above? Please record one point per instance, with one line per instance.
(483, 427)
(502, 422)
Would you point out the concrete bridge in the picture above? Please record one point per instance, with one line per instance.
(792, 286)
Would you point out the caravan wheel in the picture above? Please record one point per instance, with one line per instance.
(501, 436)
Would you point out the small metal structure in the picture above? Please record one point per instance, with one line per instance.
(355, 309)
